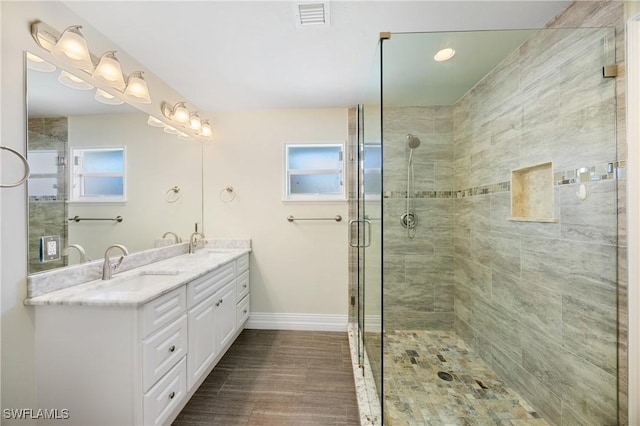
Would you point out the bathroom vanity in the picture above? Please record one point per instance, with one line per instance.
(132, 350)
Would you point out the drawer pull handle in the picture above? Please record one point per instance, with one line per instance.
(172, 395)
(221, 300)
(172, 348)
(245, 311)
(244, 286)
(217, 303)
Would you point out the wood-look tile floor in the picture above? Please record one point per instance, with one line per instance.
(278, 378)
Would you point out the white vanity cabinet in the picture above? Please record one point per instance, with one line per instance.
(138, 364)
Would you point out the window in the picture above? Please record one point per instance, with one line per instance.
(314, 172)
(98, 175)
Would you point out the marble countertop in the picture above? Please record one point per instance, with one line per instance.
(143, 284)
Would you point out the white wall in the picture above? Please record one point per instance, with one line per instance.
(17, 321)
(298, 267)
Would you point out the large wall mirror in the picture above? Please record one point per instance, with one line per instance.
(100, 175)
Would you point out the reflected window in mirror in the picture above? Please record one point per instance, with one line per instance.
(98, 175)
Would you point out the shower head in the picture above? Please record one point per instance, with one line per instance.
(412, 141)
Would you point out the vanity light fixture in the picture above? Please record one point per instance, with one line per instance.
(72, 47)
(108, 70)
(137, 88)
(36, 63)
(73, 82)
(444, 54)
(107, 98)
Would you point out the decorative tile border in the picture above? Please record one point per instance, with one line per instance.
(599, 172)
(604, 171)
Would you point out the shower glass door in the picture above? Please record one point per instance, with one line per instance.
(368, 235)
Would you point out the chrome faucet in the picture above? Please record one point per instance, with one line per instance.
(193, 241)
(83, 254)
(178, 239)
(108, 268)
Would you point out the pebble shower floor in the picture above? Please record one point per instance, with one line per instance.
(416, 395)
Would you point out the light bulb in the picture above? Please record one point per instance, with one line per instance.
(181, 113)
(444, 54)
(109, 71)
(194, 121)
(137, 88)
(72, 47)
(206, 129)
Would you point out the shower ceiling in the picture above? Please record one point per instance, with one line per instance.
(413, 78)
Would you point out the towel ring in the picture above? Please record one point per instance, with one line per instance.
(172, 198)
(27, 169)
(227, 198)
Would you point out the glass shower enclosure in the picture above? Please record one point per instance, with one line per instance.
(487, 228)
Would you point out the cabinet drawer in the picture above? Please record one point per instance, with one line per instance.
(203, 287)
(165, 397)
(242, 311)
(163, 310)
(162, 350)
(242, 263)
(242, 286)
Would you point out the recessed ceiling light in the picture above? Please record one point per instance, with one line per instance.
(444, 54)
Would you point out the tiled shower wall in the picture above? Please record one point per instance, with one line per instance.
(47, 214)
(538, 301)
(418, 275)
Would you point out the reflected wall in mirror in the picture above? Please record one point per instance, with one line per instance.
(62, 119)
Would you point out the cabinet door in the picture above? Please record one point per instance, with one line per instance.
(226, 314)
(202, 339)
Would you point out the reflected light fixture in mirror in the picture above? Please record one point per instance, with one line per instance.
(154, 122)
(137, 88)
(36, 63)
(72, 47)
(185, 137)
(194, 121)
(109, 71)
(170, 130)
(180, 116)
(180, 113)
(73, 82)
(206, 130)
(107, 98)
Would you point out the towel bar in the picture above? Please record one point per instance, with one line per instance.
(337, 218)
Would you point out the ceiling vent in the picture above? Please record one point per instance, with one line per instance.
(312, 13)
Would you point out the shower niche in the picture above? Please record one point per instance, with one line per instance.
(532, 194)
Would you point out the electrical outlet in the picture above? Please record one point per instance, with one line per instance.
(49, 248)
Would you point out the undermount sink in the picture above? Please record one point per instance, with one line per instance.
(128, 285)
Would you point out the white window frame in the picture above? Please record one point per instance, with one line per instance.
(288, 196)
(77, 176)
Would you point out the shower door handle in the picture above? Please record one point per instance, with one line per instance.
(367, 236)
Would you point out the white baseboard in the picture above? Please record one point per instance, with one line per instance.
(310, 322)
